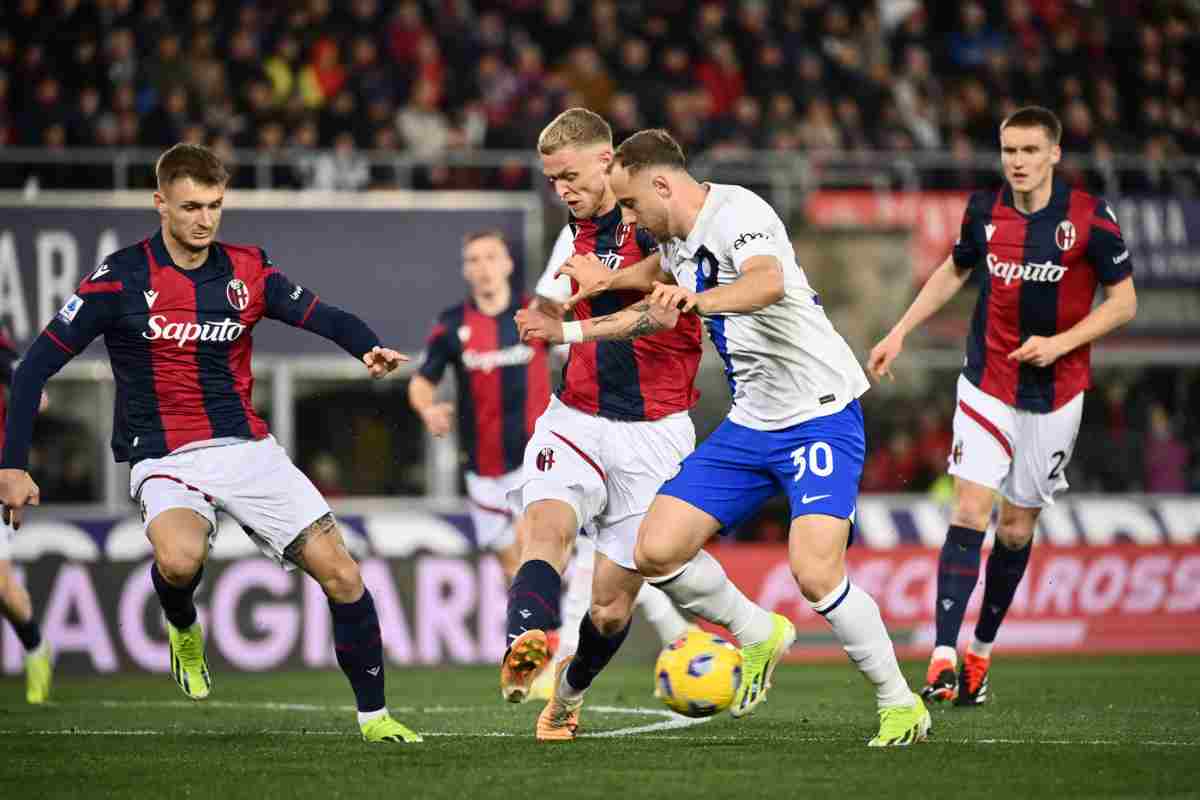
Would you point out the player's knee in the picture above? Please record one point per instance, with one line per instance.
(542, 527)
(611, 619)
(655, 558)
(1014, 536)
(972, 509)
(817, 578)
(342, 582)
(5, 580)
(178, 566)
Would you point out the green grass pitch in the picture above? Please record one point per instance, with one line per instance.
(1058, 727)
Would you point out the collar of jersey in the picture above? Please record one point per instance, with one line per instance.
(1060, 193)
(713, 201)
(217, 263)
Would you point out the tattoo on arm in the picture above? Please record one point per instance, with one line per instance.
(628, 323)
(325, 526)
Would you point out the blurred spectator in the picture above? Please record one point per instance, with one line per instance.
(323, 77)
(1166, 467)
(721, 74)
(893, 468)
(586, 74)
(344, 169)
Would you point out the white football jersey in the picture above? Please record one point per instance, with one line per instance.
(785, 364)
(559, 288)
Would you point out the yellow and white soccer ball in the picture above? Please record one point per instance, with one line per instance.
(698, 674)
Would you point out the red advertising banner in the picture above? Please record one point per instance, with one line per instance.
(1115, 598)
(933, 217)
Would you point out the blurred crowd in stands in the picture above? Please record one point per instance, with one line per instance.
(290, 77)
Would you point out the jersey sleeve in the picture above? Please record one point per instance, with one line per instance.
(438, 352)
(1106, 247)
(557, 288)
(747, 229)
(286, 301)
(968, 249)
(85, 315)
(300, 307)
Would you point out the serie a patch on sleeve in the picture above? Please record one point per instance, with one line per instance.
(70, 309)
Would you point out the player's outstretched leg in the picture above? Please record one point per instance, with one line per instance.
(16, 607)
(576, 601)
(958, 572)
(320, 551)
(546, 531)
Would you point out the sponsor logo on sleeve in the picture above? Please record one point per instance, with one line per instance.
(100, 272)
(1117, 259)
(295, 295)
(70, 309)
(746, 238)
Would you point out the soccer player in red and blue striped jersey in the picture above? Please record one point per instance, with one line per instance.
(176, 311)
(1040, 249)
(502, 383)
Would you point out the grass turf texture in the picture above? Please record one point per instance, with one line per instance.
(1065, 727)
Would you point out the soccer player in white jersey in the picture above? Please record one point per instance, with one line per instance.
(795, 426)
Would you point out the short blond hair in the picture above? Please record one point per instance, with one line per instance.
(575, 127)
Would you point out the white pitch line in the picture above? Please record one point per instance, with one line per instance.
(670, 720)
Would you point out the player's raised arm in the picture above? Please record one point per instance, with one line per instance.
(594, 278)
(759, 285)
(300, 307)
(640, 319)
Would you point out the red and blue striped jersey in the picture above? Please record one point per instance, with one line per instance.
(503, 384)
(1038, 275)
(179, 342)
(647, 378)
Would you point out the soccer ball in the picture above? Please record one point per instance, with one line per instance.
(698, 674)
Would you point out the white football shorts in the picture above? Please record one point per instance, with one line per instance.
(490, 513)
(607, 471)
(252, 481)
(1021, 454)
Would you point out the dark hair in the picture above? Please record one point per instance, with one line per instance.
(193, 161)
(1033, 117)
(649, 148)
(485, 233)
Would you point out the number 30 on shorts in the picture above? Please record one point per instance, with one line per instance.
(817, 457)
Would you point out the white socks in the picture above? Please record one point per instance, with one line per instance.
(945, 652)
(858, 625)
(661, 613)
(703, 589)
(577, 599)
(983, 649)
(366, 716)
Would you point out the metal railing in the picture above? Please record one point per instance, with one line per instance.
(787, 176)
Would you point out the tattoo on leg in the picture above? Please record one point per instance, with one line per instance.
(325, 526)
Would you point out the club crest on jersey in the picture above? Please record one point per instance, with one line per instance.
(1064, 235)
(957, 453)
(237, 294)
(464, 333)
(545, 459)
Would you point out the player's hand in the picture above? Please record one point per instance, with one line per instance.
(382, 360)
(589, 273)
(671, 296)
(43, 403)
(438, 418)
(551, 308)
(17, 490)
(536, 326)
(879, 362)
(1041, 351)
